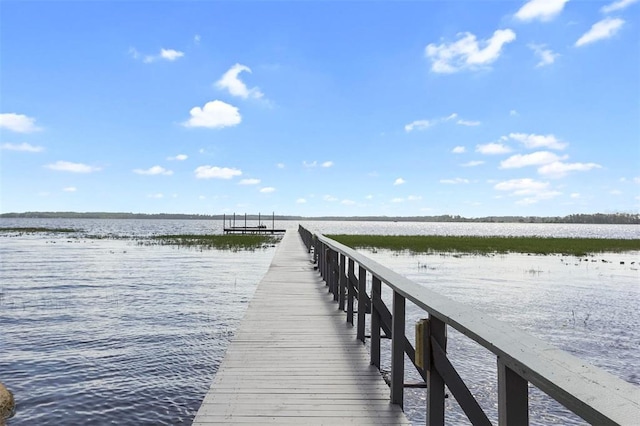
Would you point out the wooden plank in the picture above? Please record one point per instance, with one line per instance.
(294, 360)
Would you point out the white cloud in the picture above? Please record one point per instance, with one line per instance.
(532, 141)
(545, 195)
(18, 123)
(468, 122)
(348, 202)
(280, 165)
(24, 147)
(617, 5)
(235, 86)
(134, 52)
(492, 148)
(575, 195)
(513, 113)
(459, 150)
(158, 195)
(466, 52)
(310, 165)
(615, 192)
(418, 125)
(179, 157)
(249, 182)
(267, 190)
(399, 181)
(369, 197)
(215, 114)
(543, 10)
(155, 170)
(66, 166)
(636, 180)
(522, 186)
(414, 198)
(70, 189)
(301, 201)
(533, 159)
(473, 163)
(601, 30)
(546, 56)
(214, 172)
(329, 198)
(196, 39)
(327, 164)
(165, 54)
(454, 181)
(559, 169)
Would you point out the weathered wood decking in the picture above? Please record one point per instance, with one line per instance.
(294, 360)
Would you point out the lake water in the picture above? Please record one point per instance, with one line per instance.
(108, 331)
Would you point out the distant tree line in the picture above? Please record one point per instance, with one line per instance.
(595, 218)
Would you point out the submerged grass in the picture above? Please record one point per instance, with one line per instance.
(223, 242)
(33, 230)
(487, 245)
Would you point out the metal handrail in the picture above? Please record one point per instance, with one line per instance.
(590, 392)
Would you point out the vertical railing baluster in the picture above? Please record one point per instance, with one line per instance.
(362, 309)
(376, 298)
(513, 397)
(335, 275)
(350, 292)
(435, 382)
(343, 282)
(397, 349)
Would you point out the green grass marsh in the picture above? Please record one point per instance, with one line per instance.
(487, 245)
(221, 242)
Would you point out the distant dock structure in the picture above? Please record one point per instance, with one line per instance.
(230, 226)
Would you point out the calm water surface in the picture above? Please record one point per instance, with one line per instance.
(109, 331)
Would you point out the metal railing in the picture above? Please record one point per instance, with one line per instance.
(591, 393)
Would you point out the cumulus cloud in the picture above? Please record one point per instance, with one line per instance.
(329, 198)
(327, 164)
(267, 190)
(215, 114)
(301, 201)
(310, 164)
(414, 198)
(24, 147)
(155, 170)
(459, 150)
(531, 190)
(280, 165)
(170, 54)
(601, 30)
(473, 163)
(468, 122)
(157, 195)
(533, 159)
(231, 82)
(467, 52)
(454, 181)
(249, 182)
(533, 141)
(542, 10)
(66, 166)
(18, 123)
(347, 202)
(617, 5)
(70, 189)
(546, 56)
(214, 172)
(179, 157)
(399, 181)
(558, 169)
(492, 148)
(165, 55)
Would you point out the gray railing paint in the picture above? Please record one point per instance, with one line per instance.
(591, 393)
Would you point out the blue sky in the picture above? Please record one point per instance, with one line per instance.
(321, 108)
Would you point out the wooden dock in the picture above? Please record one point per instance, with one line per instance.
(294, 360)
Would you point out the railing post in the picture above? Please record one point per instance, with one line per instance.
(397, 349)
(376, 297)
(343, 282)
(350, 292)
(335, 275)
(435, 382)
(362, 310)
(513, 397)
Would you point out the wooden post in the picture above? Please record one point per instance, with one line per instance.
(435, 382)
(513, 397)
(397, 350)
(362, 289)
(350, 273)
(376, 297)
(342, 283)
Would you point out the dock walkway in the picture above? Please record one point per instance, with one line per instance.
(294, 360)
